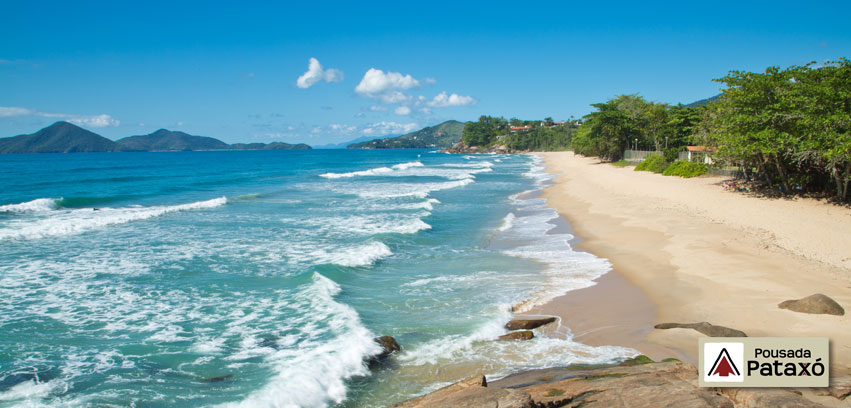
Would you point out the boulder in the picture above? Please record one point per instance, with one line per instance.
(814, 304)
(708, 329)
(388, 346)
(518, 335)
(528, 324)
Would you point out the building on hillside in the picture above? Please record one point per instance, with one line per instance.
(515, 129)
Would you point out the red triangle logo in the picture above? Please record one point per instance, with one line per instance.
(724, 366)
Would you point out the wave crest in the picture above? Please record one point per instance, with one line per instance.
(70, 222)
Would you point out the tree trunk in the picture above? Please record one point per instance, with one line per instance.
(782, 171)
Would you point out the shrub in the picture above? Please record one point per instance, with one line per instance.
(654, 162)
(621, 163)
(685, 169)
(672, 154)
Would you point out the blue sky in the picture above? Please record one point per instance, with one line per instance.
(231, 70)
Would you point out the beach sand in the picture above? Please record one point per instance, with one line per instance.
(685, 251)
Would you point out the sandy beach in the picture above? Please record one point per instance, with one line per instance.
(685, 251)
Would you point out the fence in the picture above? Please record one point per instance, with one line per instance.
(637, 156)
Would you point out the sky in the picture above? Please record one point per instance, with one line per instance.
(329, 72)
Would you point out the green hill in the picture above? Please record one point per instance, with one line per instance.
(170, 140)
(439, 136)
(60, 137)
(63, 137)
(703, 102)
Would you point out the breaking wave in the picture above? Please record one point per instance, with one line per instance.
(76, 221)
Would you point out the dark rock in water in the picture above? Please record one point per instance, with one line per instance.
(36, 375)
(814, 304)
(708, 329)
(269, 342)
(218, 379)
(388, 345)
(518, 335)
(528, 324)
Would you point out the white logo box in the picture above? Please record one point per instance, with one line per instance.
(764, 362)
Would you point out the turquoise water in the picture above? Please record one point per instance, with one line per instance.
(259, 278)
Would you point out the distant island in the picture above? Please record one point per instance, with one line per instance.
(439, 136)
(64, 137)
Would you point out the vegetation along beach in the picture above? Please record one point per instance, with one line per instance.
(442, 205)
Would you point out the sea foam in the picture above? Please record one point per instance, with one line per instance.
(315, 373)
(76, 221)
(37, 205)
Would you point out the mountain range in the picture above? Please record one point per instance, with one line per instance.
(443, 135)
(64, 137)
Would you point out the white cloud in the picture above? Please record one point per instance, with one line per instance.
(442, 100)
(386, 87)
(9, 111)
(386, 128)
(316, 73)
(96, 121)
(376, 81)
(344, 129)
(375, 108)
(402, 110)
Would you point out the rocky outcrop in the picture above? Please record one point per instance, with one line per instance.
(814, 304)
(472, 392)
(708, 329)
(528, 324)
(518, 335)
(766, 397)
(635, 383)
(840, 388)
(388, 346)
(461, 147)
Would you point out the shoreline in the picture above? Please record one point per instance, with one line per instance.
(694, 255)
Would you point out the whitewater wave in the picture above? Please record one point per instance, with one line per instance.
(379, 171)
(314, 373)
(418, 190)
(507, 222)
(76, 221)
(37, 205)
(417, 169)
(367, 224)
(363, 255)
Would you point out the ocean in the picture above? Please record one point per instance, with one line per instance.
(260, 278)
